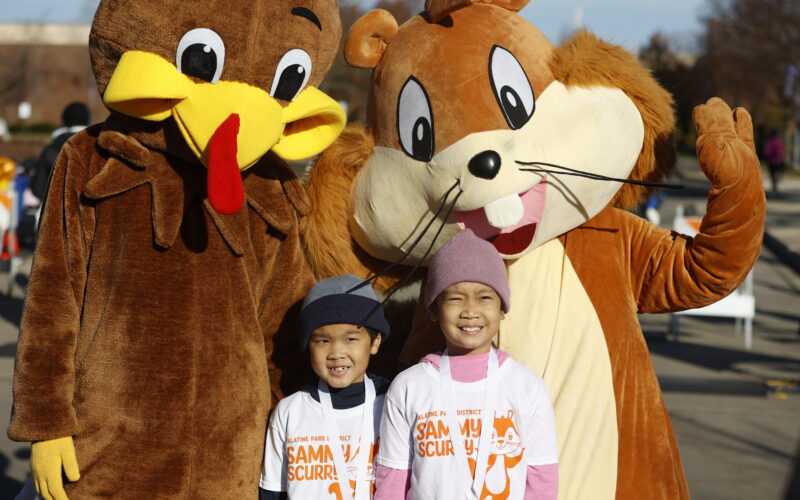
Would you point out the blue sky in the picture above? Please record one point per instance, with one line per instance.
(626, 22)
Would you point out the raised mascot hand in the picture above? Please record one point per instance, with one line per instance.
(725, 145)
(47, 460)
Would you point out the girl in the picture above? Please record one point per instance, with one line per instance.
(468, 423)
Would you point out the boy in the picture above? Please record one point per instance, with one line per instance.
(499, 412)
(321, 440)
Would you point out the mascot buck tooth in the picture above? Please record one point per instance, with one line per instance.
(477, 121)
(169, 252)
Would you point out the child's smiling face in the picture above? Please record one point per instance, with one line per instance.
(340, 353)
(469, 316)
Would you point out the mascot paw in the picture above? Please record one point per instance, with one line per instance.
(47, 460)
(725, 145)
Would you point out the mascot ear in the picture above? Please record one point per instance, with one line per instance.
(368, 39)
(437, 9)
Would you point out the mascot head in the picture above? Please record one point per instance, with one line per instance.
(237, 80)
(477, 121)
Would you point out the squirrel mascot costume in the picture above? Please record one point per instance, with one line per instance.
(477, 121)
(169, 251)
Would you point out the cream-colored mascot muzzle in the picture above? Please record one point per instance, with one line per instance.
(515, 188)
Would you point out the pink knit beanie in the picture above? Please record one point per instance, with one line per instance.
(467, 258)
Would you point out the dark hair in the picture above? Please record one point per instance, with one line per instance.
(75, 113)
(373, 333)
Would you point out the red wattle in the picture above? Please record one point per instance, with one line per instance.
(225, 189)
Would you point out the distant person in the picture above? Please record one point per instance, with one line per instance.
(774, 153)
(5, 135)
(75, 118)
(651, 207)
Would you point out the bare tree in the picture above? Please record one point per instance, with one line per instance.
(747, 46)
(16, 74)
(402, 10)
(684, 75)
(13, 70)
(742, 56)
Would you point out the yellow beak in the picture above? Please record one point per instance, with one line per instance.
(149, 87)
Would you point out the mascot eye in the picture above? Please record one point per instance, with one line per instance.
(201, 54)
(415, 121)
(292, 75)
(511, 87)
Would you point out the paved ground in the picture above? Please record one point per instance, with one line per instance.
(13, 456)
(737, 438)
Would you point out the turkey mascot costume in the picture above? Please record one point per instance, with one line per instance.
(477, 121)
(157, 318)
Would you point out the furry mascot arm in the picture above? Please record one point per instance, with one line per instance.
(326, 230)
(678, 272)
(46, 362)
(44, 384)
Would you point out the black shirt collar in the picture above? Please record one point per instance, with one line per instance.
(351, 396)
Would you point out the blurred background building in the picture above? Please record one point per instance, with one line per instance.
(46, 66)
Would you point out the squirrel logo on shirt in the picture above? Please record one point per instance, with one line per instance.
(336, 491)
(505, 453)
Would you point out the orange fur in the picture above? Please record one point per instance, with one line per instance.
(585, 60)
(329, 245)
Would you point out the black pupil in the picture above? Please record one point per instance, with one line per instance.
(290, 82)
(513, 107)
(200, 61)
(422, 140)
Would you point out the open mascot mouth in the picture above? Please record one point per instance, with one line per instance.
(508, 223)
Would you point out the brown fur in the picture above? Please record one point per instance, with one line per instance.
(585, 60)
(256, 33)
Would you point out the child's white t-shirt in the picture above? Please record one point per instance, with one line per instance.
(297, 458)
(415, 434)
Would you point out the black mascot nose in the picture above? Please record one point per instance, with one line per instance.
(485, 165)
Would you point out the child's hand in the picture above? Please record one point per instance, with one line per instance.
(47, 460)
